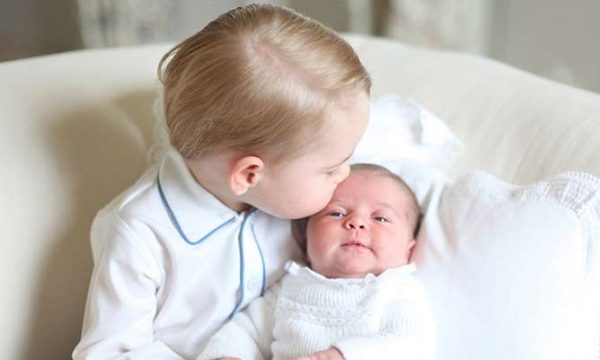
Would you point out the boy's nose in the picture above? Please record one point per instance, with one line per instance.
(342, 173)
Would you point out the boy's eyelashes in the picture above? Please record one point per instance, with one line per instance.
(332, 171)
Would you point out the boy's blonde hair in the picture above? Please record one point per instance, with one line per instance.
(258, 79)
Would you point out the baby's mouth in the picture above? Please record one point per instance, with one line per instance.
(355, 244)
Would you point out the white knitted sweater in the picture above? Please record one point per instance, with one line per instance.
(378, 317)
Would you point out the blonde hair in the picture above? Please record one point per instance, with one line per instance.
(259, 78)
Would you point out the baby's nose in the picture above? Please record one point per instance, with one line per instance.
(354, 223)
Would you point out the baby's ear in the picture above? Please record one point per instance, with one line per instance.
(245, 172)
(409, 250)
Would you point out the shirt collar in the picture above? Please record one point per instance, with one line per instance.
(194, 212)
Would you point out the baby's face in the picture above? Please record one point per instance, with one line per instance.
(365, 228)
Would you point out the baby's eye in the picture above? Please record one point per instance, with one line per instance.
(381, 219)
(337, 214)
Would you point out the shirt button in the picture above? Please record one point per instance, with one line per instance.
(253, 284)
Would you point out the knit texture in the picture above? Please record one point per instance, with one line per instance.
(385, 316)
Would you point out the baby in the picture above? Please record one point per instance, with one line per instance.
(357, 298)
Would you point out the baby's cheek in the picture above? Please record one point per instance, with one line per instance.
(390, 255)
(393, 256)
(313, 248)
(318, 249)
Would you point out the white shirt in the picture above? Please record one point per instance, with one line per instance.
(376, 317)
(172, 263)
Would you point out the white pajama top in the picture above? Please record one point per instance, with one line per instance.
(377, 317)
(172, 264)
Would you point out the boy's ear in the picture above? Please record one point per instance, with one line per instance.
(245, 173)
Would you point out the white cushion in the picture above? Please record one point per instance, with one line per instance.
(400, 129)
(512, 271)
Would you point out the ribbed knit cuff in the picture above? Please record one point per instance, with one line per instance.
(218, 348)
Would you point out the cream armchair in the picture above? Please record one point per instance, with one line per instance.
(76, 129)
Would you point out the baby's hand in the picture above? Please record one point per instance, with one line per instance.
(329, 354)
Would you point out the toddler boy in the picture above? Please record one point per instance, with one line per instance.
(264, 107)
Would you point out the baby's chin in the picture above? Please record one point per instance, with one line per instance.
(350, 271)
(357, 270)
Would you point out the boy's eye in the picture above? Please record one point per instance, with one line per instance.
(381, 219)
(331, 172)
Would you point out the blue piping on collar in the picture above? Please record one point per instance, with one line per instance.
(176, 223)
(240, 242)
(262, 259)
(242, 264)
